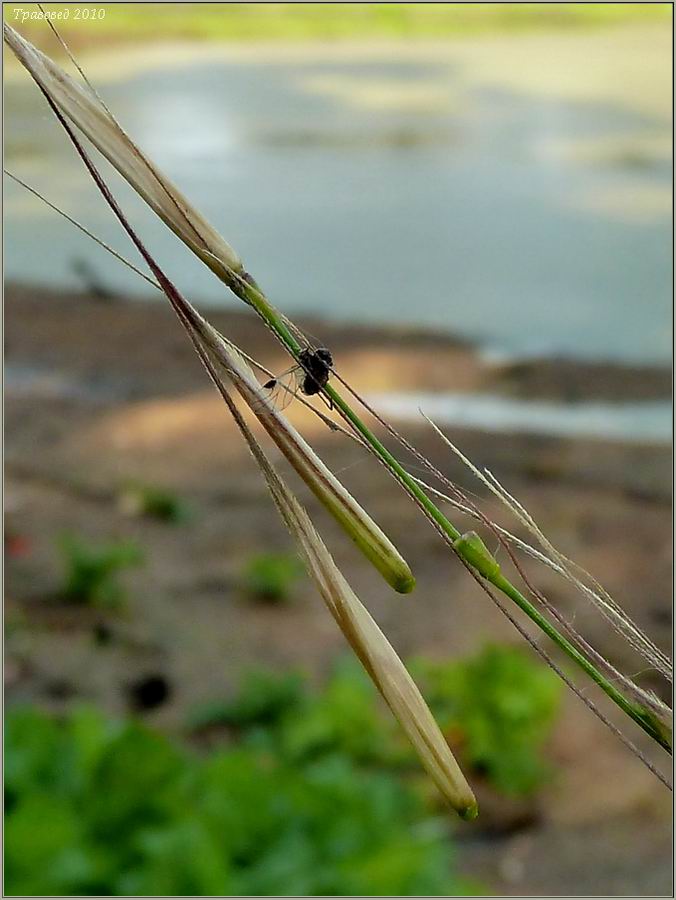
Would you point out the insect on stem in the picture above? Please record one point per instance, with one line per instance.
(311, 374)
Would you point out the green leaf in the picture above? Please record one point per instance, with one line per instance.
(271, 576)
(45, 848)
(263, 697)
(500, 707)
(137, 781)
(183, 859)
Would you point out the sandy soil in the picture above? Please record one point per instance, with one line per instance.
(100, 393)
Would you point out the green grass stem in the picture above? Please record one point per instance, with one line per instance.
(251, 294)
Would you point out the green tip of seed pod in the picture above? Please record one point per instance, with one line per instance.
(392, 567)
(382, 553)
(404, 584)
(469, 812)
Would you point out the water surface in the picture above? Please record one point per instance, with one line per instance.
(642, 422)
(477, 188)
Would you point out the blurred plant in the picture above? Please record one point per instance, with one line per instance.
(95, 807)
(155, 503)
(262, 699)
(498, 708)
(282, 712)
(271, 576)
(91, 571)
(343, 717)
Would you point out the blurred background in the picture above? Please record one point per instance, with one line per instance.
(471, 205)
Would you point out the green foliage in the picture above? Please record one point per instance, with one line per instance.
(155, 503)
(99, 808)
(285, 715)
(499, 708)
(496, 708)
(262, 699)
(345, 717)
(311, 797)
(91, 571)
(271, 576)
